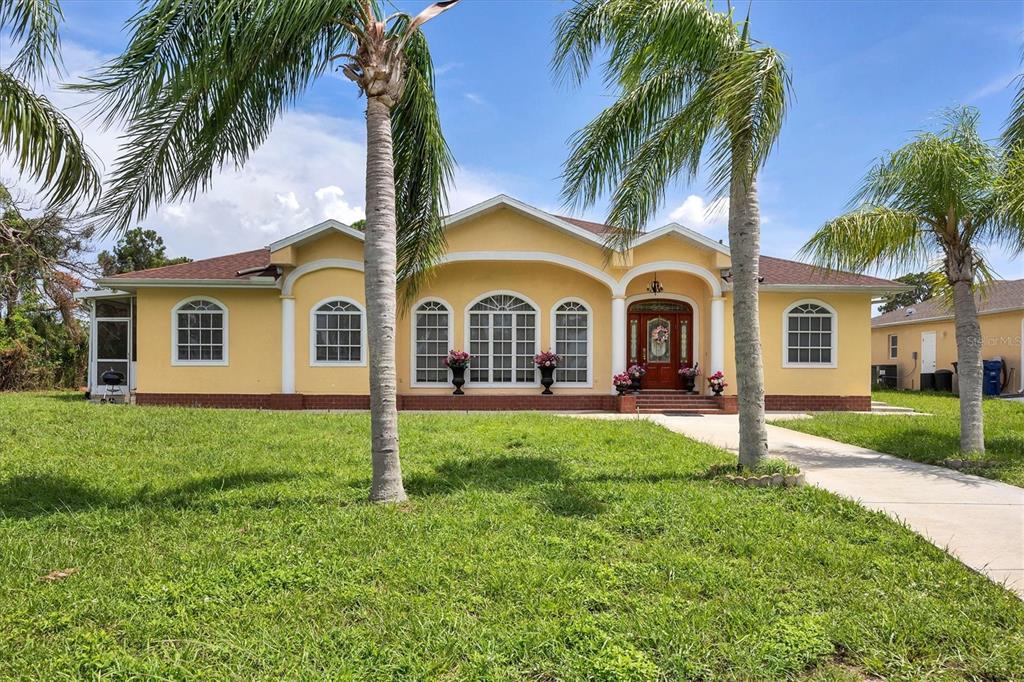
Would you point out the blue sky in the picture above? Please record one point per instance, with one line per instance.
(866, 76)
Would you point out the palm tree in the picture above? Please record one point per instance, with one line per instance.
(936, 201)
(41, 141)
(201, 84)
(690, 82)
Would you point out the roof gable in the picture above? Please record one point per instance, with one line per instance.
(312, 233)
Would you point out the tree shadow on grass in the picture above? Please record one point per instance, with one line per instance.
(35, 495)
(503, 473)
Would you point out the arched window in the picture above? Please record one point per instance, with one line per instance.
(572, 342)
(431, 342)
(200, 333)
(502, 340)
(810, 335)
(336, 334)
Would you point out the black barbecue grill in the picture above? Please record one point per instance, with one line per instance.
(113, 381)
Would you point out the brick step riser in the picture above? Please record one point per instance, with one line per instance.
(677, 402)
(650, 411)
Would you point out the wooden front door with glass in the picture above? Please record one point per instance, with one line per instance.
(659, 336)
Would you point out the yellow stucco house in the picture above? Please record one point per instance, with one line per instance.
(284, 326)
(921, 339)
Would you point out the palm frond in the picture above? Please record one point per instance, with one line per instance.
(33, 24)
(675, 146)
(1013, 131)
(44, 144)
(870, 238)
(753, 89)
(195, 100)
(599, 151)
(423, 171)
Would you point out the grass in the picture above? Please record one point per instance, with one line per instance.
(237, 544)
(930, 439)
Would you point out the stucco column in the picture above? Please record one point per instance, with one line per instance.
(618, 334)
(717, 334)
(287, 344)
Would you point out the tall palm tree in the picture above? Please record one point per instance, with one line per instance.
(43, 144)
(937, 201)
(201, 84)
(690, 81)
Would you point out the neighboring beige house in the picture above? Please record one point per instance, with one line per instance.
(922, 338)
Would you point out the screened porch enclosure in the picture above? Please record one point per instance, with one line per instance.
(111, 342)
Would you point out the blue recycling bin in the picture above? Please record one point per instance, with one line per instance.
(992, 377)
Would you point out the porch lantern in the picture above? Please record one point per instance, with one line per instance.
(655, 286)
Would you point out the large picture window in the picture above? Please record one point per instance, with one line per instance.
(810, 331)
(337, 333)
(200, 333)
(572, 342)
(502, 340)
(432, 336)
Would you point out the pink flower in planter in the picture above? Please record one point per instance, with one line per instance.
(636, 371)
(457, 359)
(621, 380)
(546, 359)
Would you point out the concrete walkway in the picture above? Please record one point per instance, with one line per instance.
(979, 521)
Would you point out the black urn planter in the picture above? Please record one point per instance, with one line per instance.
(634, 383)
(547, 378)
(622, 388)
(688, 383)
(717, 390)
(458, 379)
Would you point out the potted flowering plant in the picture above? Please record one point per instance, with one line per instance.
(622, 382)
(457, 361)
(546, 362)
(689, 373)
(717, 382)
(635, 373)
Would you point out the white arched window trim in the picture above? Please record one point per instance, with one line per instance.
(553, 332)
(313, 362)
(835, 336)
(412, 340)
(174, 334)
(536, 341)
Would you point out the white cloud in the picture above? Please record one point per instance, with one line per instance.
(288, 201)
(474, 98)
(702, 216)
(333, 205)
(311, 167)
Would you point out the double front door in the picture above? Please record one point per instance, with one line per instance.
(660, 337)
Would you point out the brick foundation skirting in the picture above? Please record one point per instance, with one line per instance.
(555, 403)
(297, 401)
(817, 403)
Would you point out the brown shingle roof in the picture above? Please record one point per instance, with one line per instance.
(791, 272)
(1002, 295)
(221, 267)
(776, 271)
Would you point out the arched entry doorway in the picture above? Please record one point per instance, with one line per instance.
(659, 336)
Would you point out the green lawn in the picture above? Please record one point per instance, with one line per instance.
(237, 544)
(933, 438)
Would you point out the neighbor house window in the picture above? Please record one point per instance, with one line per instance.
(810, 336)
(572, 342)
(200, 332)
(431, 342)
(337, 333)
(502, 340)
(894, 346)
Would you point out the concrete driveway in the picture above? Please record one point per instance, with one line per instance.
(977, 520)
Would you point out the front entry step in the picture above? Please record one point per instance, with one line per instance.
(663, 401)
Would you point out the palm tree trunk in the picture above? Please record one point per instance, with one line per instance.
(745, 251)
(968, 365)
(380, 256)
